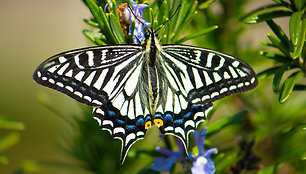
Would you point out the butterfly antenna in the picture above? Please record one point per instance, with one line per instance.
(168, 19)
(135, 16)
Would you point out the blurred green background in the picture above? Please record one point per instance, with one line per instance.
(33, 30)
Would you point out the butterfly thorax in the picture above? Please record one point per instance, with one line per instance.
(153, 76)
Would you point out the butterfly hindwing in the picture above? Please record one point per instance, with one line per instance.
(185, 122)
(205, 75)
(92, 75)
(121, 126)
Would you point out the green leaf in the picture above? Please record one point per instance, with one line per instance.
(276, 57)
(116, 28)
(34, 166)
(3, 160)
(206, 4)
(266, 13)
(279, 44)
(297, 50)
(94, 9)
(10, 125)
(189, 37)
(288, 86)
(271, 169)
(9, 140)
(227, 161)
(163, 12)
(278, 32)
(278, 76)
(295, 27)
(107, 30)
(91, 23)
(266, 73)
(298, 4)
(217, 126)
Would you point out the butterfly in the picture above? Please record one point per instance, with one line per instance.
(133, 87)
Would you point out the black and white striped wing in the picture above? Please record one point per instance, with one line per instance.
(103, 77)
(93, 75)
(204, 75)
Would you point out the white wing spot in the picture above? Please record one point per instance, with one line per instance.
(38, 74)
(104, 54)
(130, 137)
(189, 123)
(169, 106)
(205, 97)
(59, 84)
(44, 78)
(131, 113)
(226, 75)
(214, 94)
(247, 83)
(69, 73)
(100, 80)
(118, 130)
(108, 122)
(77, 61)
(233, 72)
(233, 87)
(78, 94)
(53, 68)
(223, 90)
(235, 63)
(62, 59)
(240, 85)
(198, 114)
(207, 78)
(217, 77)
(197, 78)
(63, 68)
(51, 81)
(97, 102)
(253, 80)
(241, 73)
(69, 88)
(90, 78)
(180, 131)
(222, 60)
(80, 75)
(90, 58)
(87, 98)
(209, 59)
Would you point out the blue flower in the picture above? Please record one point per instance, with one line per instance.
(140, 24)
(201, 164)
(164, 164)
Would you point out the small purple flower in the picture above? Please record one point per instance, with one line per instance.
(140, 23)
(164, 164)
(202, 164)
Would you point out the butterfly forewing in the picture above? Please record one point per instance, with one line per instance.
(93, 76)
(205, 75)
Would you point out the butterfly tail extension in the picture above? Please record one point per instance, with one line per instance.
(120, 127)
(185, 122)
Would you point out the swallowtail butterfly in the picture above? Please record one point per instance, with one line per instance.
(132, 87)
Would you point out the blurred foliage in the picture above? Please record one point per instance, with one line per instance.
(263, 136)
(292, 52)
(10, 135)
